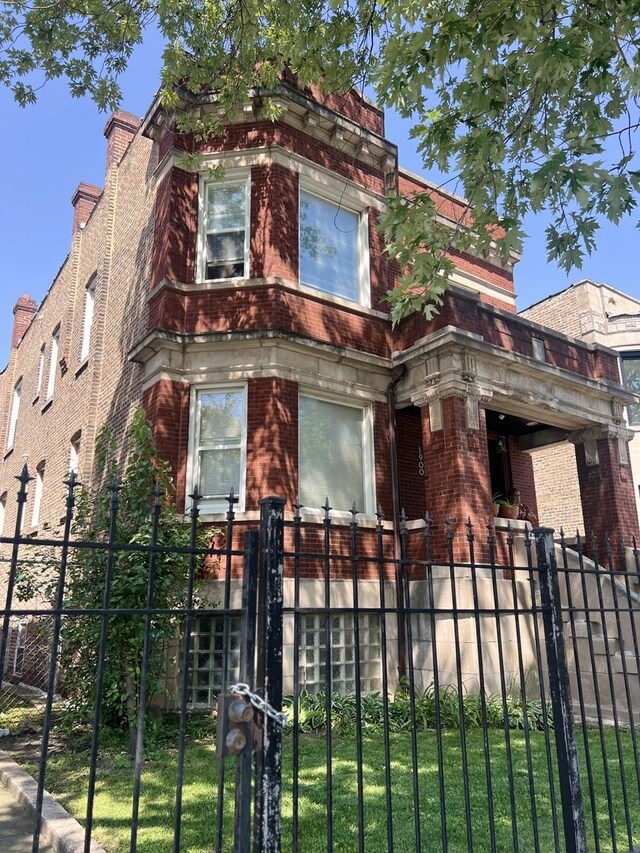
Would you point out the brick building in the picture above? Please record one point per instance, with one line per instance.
(247, 314)
(597, 314)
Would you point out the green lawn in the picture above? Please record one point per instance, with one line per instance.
(68, 775)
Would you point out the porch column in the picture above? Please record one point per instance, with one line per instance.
(606, 483)
(456, 465)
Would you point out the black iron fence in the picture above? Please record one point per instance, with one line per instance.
(329, 684)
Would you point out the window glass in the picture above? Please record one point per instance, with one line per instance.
(329, 247)
(225, 230)
(331, 454)
(37, 495)
(15, 410)
(53, 363)
(312, 666)
(89, 300)
(221, 433)
(208, 657)
(631, 379)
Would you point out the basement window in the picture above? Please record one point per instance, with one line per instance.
(312, 668)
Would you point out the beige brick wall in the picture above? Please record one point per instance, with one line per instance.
(560, 312)
(557, 490)
(115, 247)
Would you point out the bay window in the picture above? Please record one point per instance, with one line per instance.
(333, 243)
(224, 230)
(218, 441)
(335, 445)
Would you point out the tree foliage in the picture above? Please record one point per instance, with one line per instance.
(530, 106)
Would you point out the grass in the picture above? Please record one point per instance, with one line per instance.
(68, 773)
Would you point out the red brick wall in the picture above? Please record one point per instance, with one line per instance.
(23, 313)
(274, 222)
(507, 332)
(457, 481)
(384, 497)
(522, 475)
(167, 406)
(606, 492)
(269, 307)
(175, 228)
(272, 444)
(265, 134)
(409, 440)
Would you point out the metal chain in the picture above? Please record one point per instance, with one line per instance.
(259, 703)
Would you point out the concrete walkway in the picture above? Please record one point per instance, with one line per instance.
(18, 792)
(17, 823)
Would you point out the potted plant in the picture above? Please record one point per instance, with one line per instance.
(497, 500)
(509, 509)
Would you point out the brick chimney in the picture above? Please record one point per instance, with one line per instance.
(120, 130)
(23, 313)
(84, 200)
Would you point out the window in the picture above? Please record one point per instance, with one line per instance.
(53, 363)
(89, 299)
(313, 645)
(3, 511)
(37, 495)
(225, 230)
(15, 409)
(43, 350)
(207, 657)
(21, 636)
(218, 445)
(333, 248)
(74, 453)
(631, 380)
(539, 351)
(335, 455)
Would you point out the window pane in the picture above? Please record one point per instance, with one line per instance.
(330, 454)
(226, 207)
(328, 247)
(228, 246)
(221, 416)
(631, 379)
(219, 472)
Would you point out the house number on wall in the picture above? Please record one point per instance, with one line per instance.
(420, 463)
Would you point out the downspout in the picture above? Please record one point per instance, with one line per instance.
(397, 374)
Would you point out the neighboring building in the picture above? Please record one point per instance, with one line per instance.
(247, 315)
(597, 314)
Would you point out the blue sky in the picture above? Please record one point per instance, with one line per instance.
(48, 148)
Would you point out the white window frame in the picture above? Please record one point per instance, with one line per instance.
(193, 467)
(18, 659)
(38, 492)
(87, 323)
(43, 354)
(344, 201)
(15, 411)
(75, 443)
(231, 176)
(368, 455)
(53, 362)
(3, 511)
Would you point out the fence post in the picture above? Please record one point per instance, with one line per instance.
(567, 753)
(268, 787)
